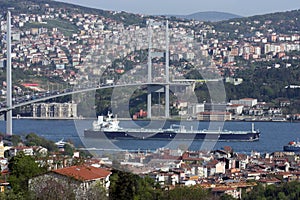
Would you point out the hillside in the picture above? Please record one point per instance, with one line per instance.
(280, 22)
(41, 6)
(218, 19)
(75, 24)
(211, 16)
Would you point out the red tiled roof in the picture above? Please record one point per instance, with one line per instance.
(83, 172)
(270, 180)
(222, 189)
(186, 156)
(247, 99)
(236, 105)
(285, 173)
(227, 148)
(212, 163)
(21, 147)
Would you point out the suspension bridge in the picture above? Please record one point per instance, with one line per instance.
(8, 106)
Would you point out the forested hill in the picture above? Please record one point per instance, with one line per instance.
(212, 16)
(280, 22)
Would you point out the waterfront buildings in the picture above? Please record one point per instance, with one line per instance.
(54, 110)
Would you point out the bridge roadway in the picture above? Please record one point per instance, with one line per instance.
(76, 91)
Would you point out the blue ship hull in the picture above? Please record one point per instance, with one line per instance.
(171, 135)
(291, 148)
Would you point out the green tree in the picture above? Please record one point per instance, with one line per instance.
(11, 194)
(22, 168)
(226, 197)
(125, 185)
(97, 191)
(122, 185)
(147, 189)
(283, 191)
(68, 150)
(188, 193)
(33, 139)
(16, 139)
(282, 196)
(256, 193)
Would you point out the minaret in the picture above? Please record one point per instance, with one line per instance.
(8, 77)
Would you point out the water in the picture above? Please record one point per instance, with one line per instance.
(273, 135)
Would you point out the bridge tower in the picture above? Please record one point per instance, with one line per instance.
(167, 86)
(149, 95)
(8, 77)
(167, 83)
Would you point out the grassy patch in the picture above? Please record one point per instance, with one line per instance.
(67, 28)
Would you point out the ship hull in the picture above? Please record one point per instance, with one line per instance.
(171, 135)
(291, 148)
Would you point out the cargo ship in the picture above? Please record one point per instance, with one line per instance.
(110, 129)
(293, 146)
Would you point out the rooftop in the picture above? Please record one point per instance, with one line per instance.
(83, 173)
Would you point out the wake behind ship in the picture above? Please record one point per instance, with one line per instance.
(110, 129)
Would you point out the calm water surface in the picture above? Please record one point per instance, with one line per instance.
(273, 135)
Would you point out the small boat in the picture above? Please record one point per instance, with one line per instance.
(61, 143)
(293, 146)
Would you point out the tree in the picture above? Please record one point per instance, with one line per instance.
(226, 197)
(22, 168)
(68, 150)
(96, 191)
(146, 188)
(16, 139)
(188, 193)
(289, 191)
(33, 139)
(10, 194)
(125, 185)
(282, 196)
(47, 188)
(122, 185)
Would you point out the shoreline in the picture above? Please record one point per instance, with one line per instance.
(155, 119)
(50, 118)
